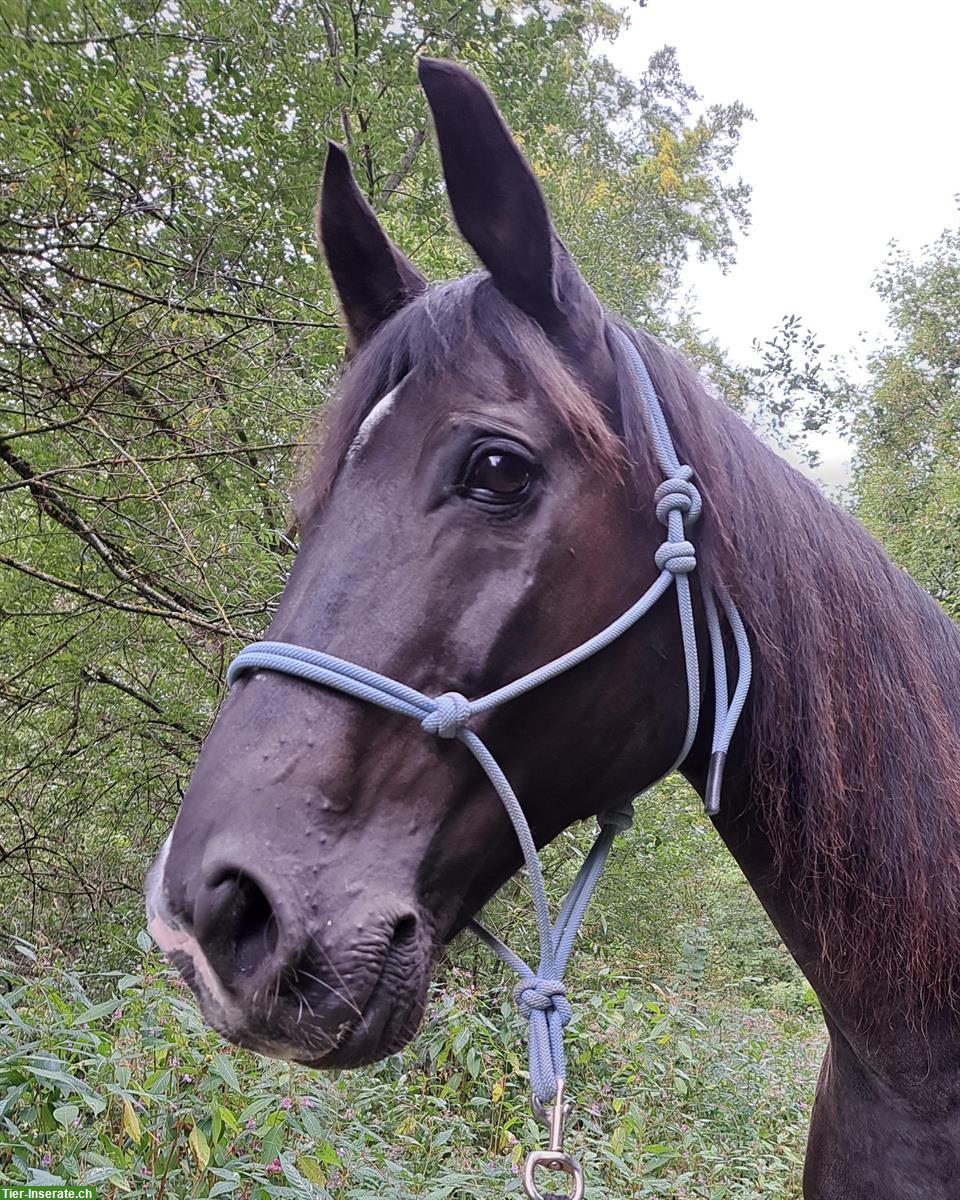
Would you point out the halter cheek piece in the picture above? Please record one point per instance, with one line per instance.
(540, 994)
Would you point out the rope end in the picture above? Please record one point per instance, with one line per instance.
(711, 797)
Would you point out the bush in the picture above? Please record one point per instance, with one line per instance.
(112, 1078)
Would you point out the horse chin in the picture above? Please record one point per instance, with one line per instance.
(387, 1024)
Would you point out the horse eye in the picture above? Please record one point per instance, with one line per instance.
(498, 475)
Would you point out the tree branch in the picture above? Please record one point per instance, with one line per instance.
(403, 167)
(100, 676)
(165, 613)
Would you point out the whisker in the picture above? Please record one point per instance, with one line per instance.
(346, 995)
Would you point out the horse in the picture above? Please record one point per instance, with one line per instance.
(480, 503)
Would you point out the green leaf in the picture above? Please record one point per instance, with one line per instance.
(312, 1125)
(224, 1068)
(311, 1170)
(96, 1012)
(327, 1153)
(255, 1108)
(227, 1117)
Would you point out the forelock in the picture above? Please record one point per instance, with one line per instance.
(439, 335)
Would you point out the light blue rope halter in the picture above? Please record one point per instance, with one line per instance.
(540, 994)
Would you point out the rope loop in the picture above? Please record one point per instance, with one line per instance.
(450, 715)
(679, 558)
(536, 994)
(678, 494)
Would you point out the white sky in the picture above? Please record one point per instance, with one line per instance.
(856, 142)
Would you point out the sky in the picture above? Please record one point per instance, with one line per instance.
(855, 142)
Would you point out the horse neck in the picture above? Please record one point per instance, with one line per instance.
(842, 801)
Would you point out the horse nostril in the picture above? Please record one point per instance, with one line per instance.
(236, 924)
(257, 929)
(404, 933)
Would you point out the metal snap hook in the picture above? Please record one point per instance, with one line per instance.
(554, 1162)
(554, 1158)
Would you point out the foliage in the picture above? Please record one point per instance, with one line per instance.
(903, 420)
(167, 333)
(674, 900)
(906, 485)
(792, 392)
(111, 1078)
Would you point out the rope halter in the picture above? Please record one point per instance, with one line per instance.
(540, 995)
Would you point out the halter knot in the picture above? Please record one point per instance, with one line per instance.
(535, 994)
(679, 558)
(678, 494)
(450, 715)
(618, 818)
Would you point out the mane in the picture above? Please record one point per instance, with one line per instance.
(854, 716)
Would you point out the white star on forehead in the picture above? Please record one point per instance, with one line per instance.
(380, 410)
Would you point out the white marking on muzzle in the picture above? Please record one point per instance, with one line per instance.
(173, 940)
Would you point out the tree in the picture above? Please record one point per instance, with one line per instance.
(906, 484)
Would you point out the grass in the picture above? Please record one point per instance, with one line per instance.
(111, 1078)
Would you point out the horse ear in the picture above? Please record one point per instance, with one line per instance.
(495, 197)
(372, 277)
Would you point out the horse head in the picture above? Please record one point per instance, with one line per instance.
(468, 518)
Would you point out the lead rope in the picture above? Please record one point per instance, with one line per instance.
(540, 995)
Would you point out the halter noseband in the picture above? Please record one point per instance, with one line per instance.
(540, 994)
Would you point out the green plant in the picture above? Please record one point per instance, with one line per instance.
(112, 1078)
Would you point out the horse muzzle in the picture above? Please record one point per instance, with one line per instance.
(337, 983)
